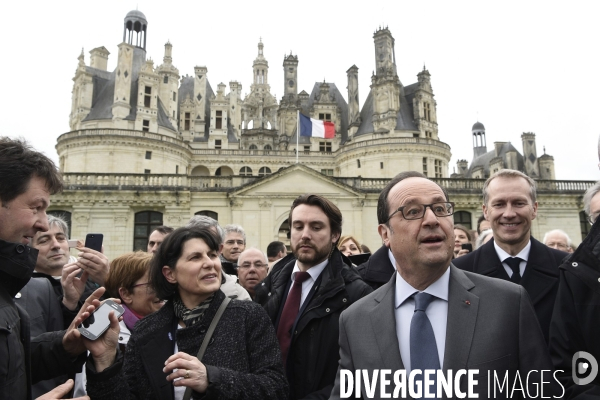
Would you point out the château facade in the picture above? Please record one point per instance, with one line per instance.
(149, 145)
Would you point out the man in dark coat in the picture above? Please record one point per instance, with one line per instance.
(308, 332)
(27, 179)
(510, 205)
(575, 325)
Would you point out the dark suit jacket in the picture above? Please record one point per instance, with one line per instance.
(540, 278)
(378, 269)
(491, 327)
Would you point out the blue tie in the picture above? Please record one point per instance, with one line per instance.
(423, 349)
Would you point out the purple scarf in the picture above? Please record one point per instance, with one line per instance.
(130, 318)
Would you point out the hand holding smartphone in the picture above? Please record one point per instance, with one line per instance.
(97, 323)
(94, 241)
(467, 246)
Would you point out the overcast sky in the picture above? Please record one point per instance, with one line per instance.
(526, 66)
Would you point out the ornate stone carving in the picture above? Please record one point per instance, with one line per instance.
(358, 203)
(236, 203)
(265, 204)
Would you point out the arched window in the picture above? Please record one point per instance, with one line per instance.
(268, 147)
(284, 234)
(224, 171)
(208, 213)
(145, 223)
(584, 224)
(263, 171)
(246, 171)
(65, 216)
(253, 147)
(463, 218)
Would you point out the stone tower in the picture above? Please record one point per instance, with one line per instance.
(424, 106)
(479, 143)
(530, 155)
(290, 75)
(288, 108)
(385, 84)
(132, 48)
(168, 84)
(353, 101)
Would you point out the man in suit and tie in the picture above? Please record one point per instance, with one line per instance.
(433, 316)
(509, 203)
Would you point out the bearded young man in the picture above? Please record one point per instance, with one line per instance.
(305, 298)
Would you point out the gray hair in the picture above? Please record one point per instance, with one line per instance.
(482, 236)
(202, 221)
(569, 243)
(58, 221)
(509, 173)
(227, 229)
(587, 197)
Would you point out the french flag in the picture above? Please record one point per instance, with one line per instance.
(316, 128)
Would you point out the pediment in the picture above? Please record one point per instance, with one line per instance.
(294, 181)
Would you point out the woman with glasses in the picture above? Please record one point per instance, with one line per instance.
(128, 280)
(241, 360)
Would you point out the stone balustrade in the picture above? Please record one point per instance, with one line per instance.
(226, 183)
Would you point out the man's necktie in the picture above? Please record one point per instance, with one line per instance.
(423, 349)
(514, 263)
(289, 314)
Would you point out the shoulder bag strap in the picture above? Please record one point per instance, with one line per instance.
(188, 391)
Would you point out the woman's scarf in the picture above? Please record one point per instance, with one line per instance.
(130, 318)
(190, 317)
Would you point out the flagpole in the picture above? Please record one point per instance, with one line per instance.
(297, 132)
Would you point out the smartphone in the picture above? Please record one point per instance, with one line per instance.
(97, 323)
(467, 246)
(94, 241)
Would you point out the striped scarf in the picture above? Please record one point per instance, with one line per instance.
(190, 317)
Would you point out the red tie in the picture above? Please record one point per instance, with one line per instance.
(289, 314)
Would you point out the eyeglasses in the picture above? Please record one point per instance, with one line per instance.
(556, 245)
(417, 211)
(592, 218)
(255, 265)
(149, 288)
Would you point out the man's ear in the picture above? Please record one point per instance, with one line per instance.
(125, 295)
(484, 209)
(169, 275)
(335, 237)
(384, 232)
(535, 207)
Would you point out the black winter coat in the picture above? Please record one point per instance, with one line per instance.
(243, 360)
(17, 372)
(314, 353)
(575, 322)
(377, 270)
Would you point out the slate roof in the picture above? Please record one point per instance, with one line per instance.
(484, 159)
(104, 92)
(404, 119)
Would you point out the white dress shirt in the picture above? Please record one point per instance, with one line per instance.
(437, 312)
(307, 285)
(523, 255)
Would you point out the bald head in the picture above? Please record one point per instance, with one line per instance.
(252, 268)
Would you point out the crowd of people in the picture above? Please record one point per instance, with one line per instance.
(206, 316)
